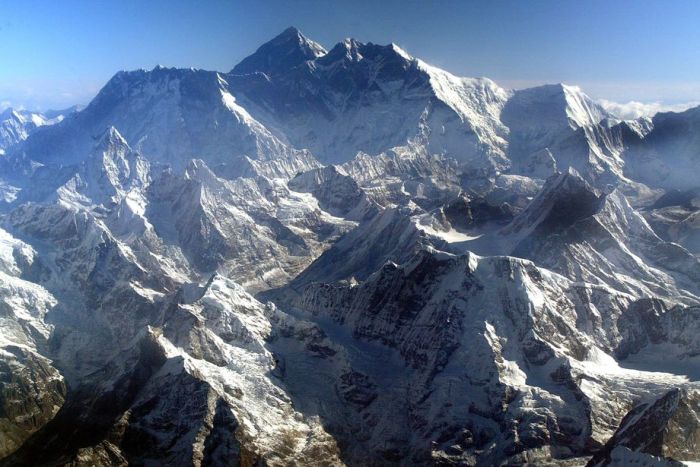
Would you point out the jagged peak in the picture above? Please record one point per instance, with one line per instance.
(352, 50)
(582, 110)
(199, 171)
(350, 43)
(347, 49)
(111, 138)
(285, 51)
(329, 174)
(570, 172)
(565, 199)
(568, 182)
(291, 33)
(19, 115)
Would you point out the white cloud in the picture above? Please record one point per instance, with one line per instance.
(636, 109)
(5, 104)
(631, 99)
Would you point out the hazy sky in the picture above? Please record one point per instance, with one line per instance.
(57, 53)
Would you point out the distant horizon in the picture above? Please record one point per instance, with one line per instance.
(635, 58)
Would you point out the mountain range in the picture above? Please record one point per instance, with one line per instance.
(347, 257)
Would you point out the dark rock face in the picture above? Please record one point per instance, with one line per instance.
(155, 413)
(668, 428)
(388, 236)
(464, 213)
(675, 217)
(31, 392)
(357, 389)
(641, 325)
(569, 200)
(221, 447)
(87, 417)
(650, 321)
(398, 303)
(682, 198)
(399, 307)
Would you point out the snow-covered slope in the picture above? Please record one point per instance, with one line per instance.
(31, 389)
(17, 125)
(173, 116)
(557, 122)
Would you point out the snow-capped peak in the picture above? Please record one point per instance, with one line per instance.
(24, 117)
(111, 138)
(16, 115)
(287, 50)
(550, 102)
(16, 125)
(352, 48)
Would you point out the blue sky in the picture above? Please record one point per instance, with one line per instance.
(56, 53)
